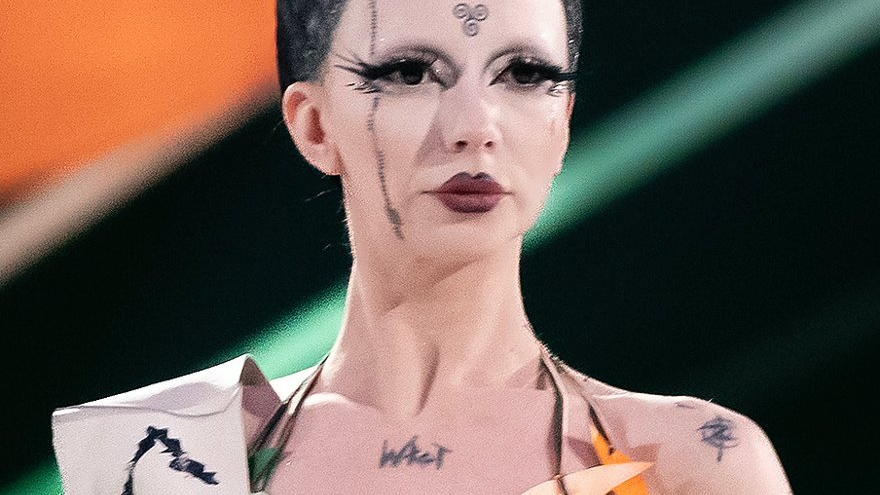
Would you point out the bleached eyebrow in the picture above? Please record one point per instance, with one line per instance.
(399, 51)
(523, 48)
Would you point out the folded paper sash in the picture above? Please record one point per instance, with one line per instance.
(188, 435)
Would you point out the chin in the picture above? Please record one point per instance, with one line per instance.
(462, 242)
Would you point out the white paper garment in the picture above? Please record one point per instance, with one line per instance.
(187, 436)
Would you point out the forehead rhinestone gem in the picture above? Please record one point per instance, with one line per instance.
(471, 16)
(471, 27)
(480, 12)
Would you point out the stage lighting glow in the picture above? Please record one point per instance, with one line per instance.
(736, 85)
(298, 340)
(43, 480)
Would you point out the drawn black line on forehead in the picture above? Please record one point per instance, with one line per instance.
(374, 22)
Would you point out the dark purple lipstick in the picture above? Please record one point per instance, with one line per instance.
(465, 194)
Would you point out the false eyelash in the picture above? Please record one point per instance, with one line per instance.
(553, 72)
(564, 77)
(559, 79)
(366, 87)
(371, 73)
(559, 88)
(549, 72)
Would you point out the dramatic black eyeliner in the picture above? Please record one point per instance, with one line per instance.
(545, 71)
(522, 73)
(419, 65)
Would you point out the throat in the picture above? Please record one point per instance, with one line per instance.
(405, 388)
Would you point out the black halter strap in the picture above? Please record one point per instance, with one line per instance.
(264, 454)
(561, 414)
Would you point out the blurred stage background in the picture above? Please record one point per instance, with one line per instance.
(714, 232)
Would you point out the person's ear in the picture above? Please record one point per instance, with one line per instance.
(302, 107)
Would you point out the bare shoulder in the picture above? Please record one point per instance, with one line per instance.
(697, 446)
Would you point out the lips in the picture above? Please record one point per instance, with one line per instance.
(463, 183)
(465, 194)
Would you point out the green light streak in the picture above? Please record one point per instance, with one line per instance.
(44, 480)
(736, 85)
(300, 339)
(721, 93)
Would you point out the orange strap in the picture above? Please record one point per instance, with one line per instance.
(608, 455)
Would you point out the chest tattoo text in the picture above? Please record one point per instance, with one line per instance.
(411, 453)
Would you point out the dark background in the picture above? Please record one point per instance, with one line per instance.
(748, 275)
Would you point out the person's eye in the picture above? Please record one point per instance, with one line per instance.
(526, 74)
(407, 72)
(398, 75)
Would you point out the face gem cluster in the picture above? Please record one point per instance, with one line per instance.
(472, 17)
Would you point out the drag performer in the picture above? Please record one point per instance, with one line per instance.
(446, 123)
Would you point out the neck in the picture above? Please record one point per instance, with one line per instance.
(422, 330)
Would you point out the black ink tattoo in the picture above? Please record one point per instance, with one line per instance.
(412, 454)
(179, 460)
(472, 17)
(719, 434)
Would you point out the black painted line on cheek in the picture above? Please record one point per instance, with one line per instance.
(393, 215)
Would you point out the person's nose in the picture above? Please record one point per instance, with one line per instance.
(470, 120)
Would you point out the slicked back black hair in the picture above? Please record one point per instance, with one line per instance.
(305, 30)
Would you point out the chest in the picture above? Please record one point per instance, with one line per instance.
(490, 443)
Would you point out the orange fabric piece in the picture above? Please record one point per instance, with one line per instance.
(609, 455)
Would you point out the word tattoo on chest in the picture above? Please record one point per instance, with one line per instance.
(411, 454)
(719, 434)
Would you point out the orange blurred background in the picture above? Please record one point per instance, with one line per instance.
(79, 78)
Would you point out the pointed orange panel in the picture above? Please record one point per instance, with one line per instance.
(608, 455)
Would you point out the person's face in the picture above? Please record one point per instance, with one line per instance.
(416, 92)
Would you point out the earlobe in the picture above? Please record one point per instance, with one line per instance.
(302, 109)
